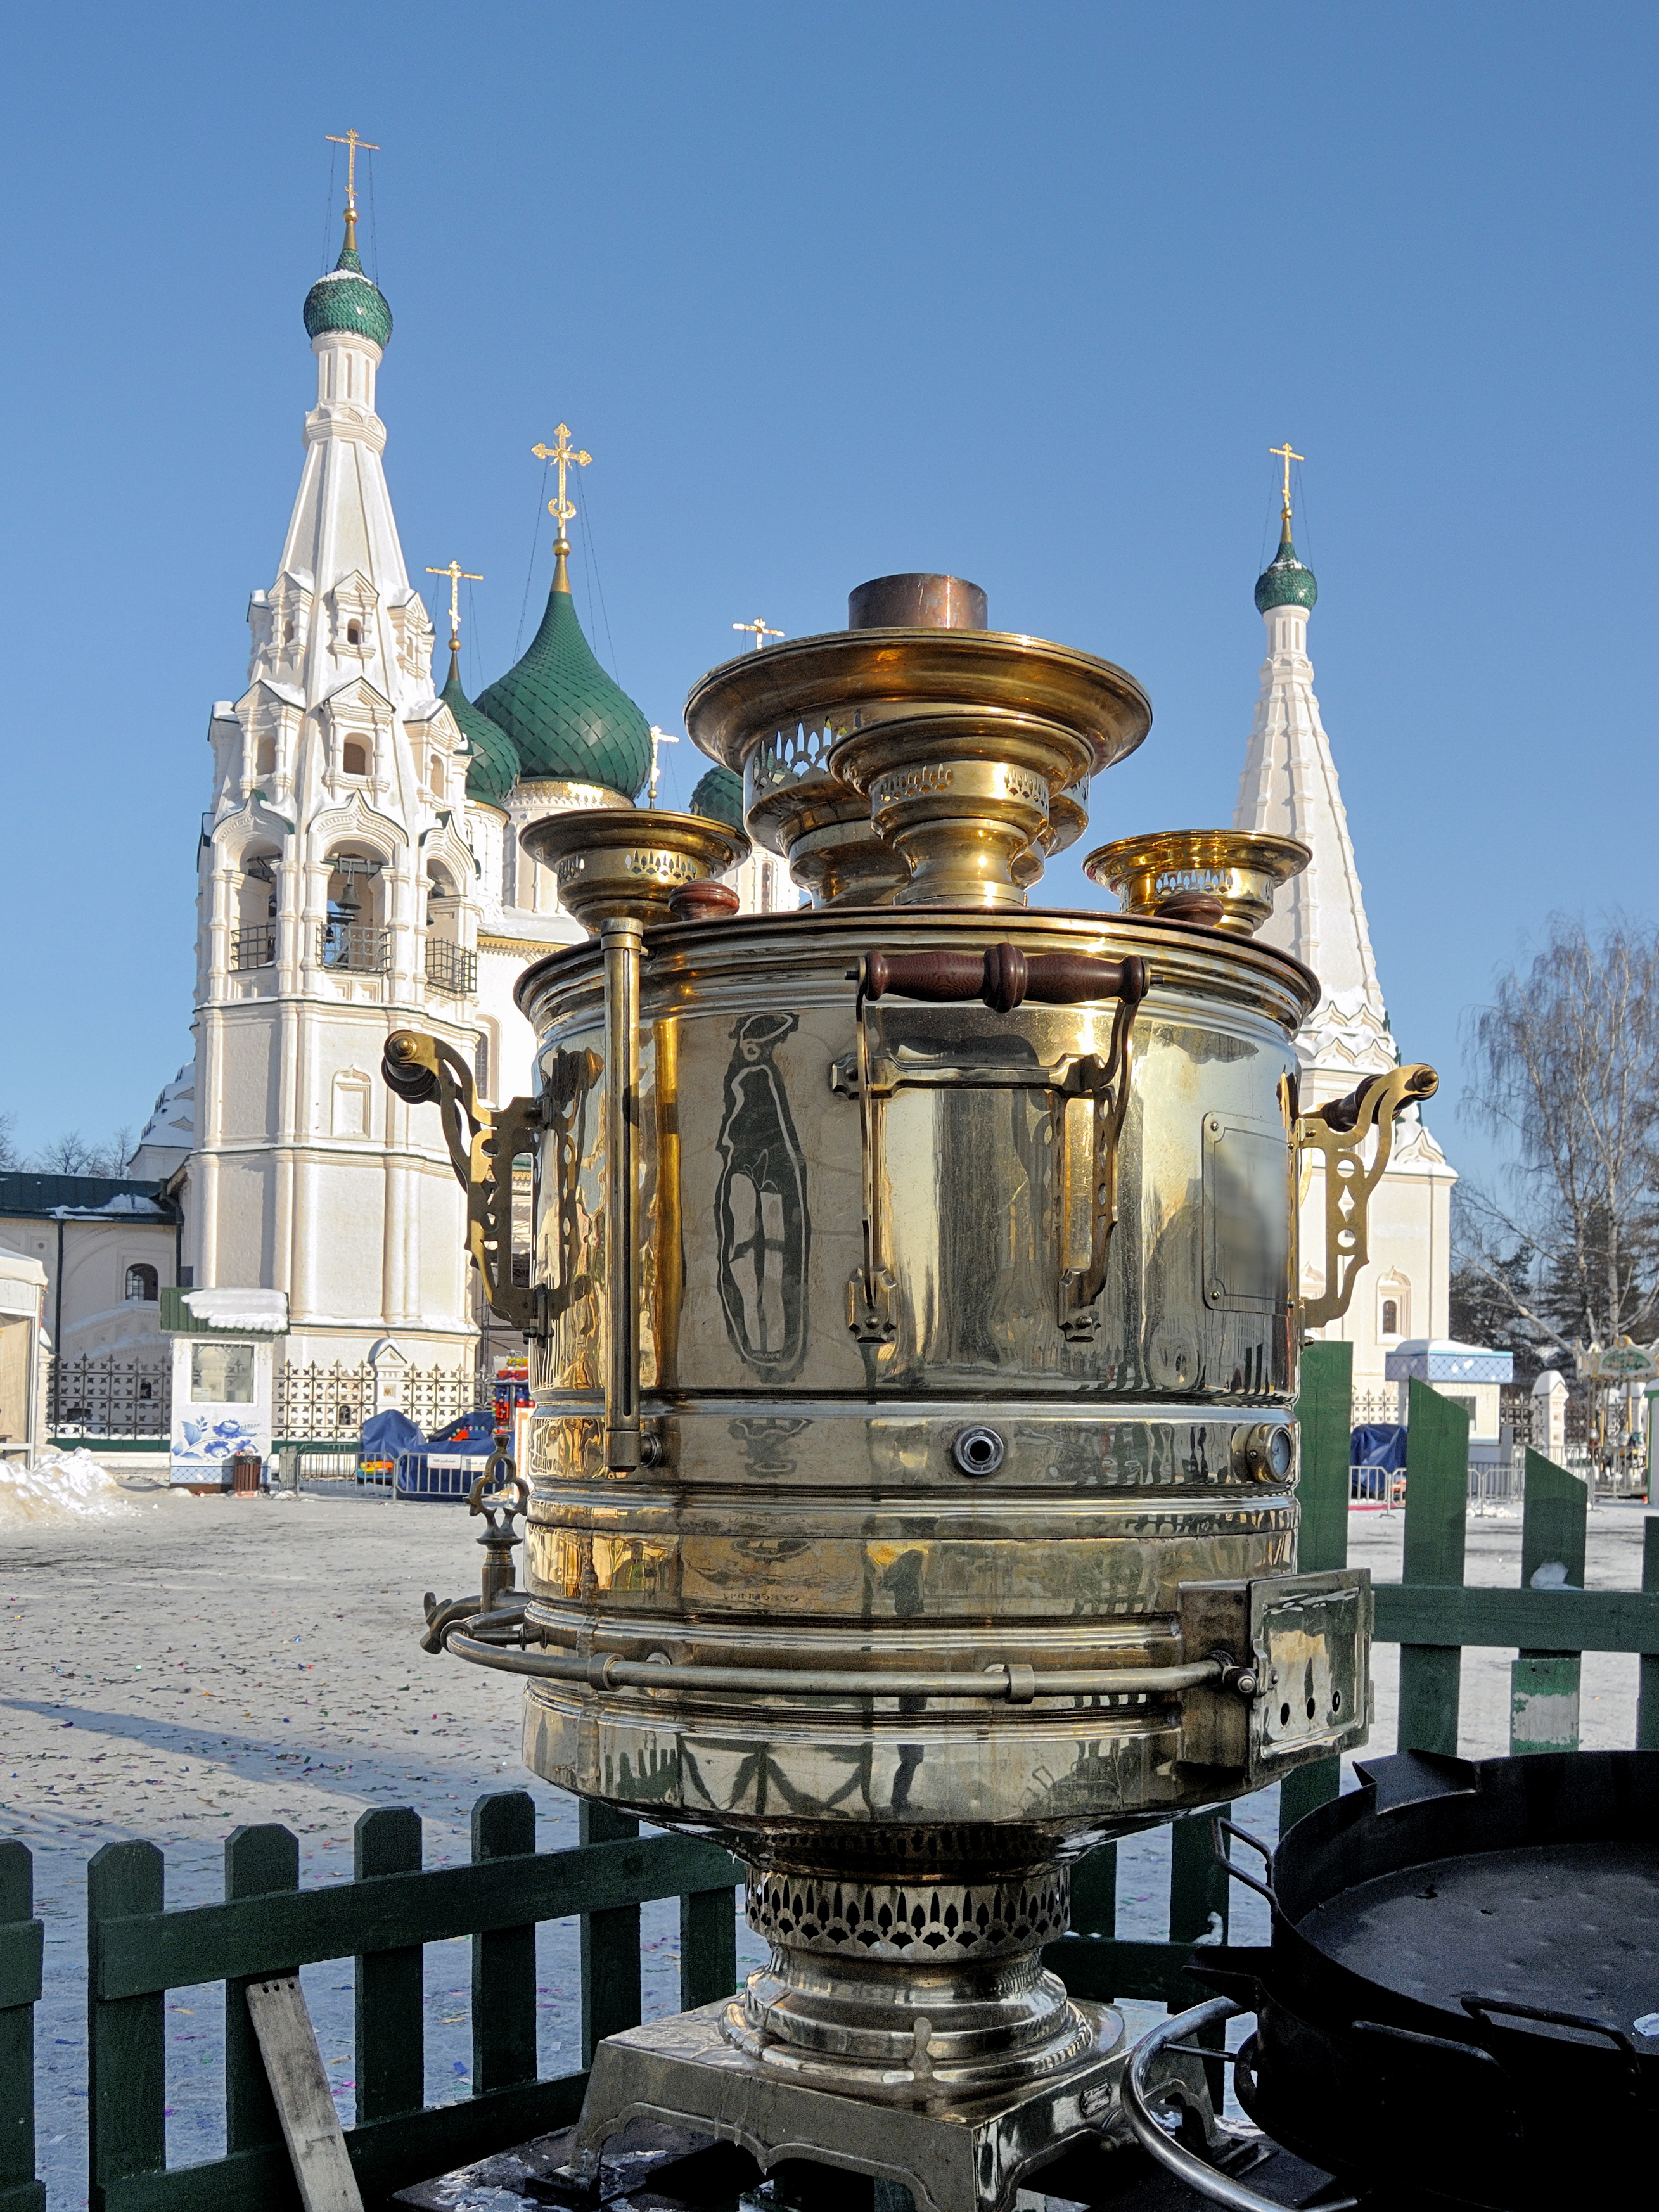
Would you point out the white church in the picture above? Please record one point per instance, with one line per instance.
(360, 871)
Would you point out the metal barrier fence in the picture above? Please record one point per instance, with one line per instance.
(267, 1925)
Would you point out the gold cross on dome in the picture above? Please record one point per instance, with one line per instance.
(1284, 454)
(564, 455)
(351, 142)
(457, 576)
(657, 738)
(761, 632)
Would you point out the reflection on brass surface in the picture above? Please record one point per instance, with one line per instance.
(820, 827)
(1176, 872)
(961, 793)
(625, 864)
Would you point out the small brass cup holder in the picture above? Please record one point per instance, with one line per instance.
(1224, 878)
(625, 864)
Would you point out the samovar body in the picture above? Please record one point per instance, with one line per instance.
(972, 1481)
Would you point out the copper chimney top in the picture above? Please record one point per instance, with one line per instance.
(916, 603)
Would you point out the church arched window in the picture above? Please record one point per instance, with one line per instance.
(142, 1284)
(354, 633)
(1393, 1307)
(354, 757)
(288, 633)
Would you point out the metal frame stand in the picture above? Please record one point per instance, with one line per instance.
(965, 2156)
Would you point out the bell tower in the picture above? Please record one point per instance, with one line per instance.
(338, 901)
(1289, 788)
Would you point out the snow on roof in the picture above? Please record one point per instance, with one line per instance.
(225, 1308)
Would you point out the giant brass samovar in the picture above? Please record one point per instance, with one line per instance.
(914, 1322)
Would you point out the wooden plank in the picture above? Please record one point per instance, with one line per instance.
(1554, 1522)
(1544, 1685)
(259, 1862)
(142, 1952)
(504, 1959)
(20, 1939)
(1324, 1410)
(1323, 1407)
(1647, 1695)
(1199, 1898)
(1554, 1621)
(1543, 1703)
(709, 1948)
(386, 2154)
(1122, 1973)
(21, 1950)
(126, 2065)
(294, 2068)
(1094, 1893)
(610, 1945)
(1436, 1506)
(390, 2043)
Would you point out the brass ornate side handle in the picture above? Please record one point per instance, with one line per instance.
(1002, 978)
(483, 1143)
(1337, 1133)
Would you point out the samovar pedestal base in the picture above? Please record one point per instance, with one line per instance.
(965, 2156)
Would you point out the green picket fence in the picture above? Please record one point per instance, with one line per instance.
(1432, 1616)
(267, 1925)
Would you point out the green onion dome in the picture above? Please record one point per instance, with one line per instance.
(493, 770)
(564, 716)
(719, 798)
(1285, 582)
(345, 299)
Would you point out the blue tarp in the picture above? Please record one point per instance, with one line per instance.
(1381, 1443)
(473, 1432)
(385, 1435)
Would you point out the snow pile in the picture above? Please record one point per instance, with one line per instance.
(59, 1487)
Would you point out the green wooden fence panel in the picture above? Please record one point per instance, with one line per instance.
(259, 1862)
(1647, 1696)
(386, 2154)
(136, 1951)
(146, 1950)
(390, 2047)
(709, 1948)
(1437, 1504)
(503, 1959)
(125, 2047)
(1324, 1411)
(1094, 1893)
(1544, 1683)
(1556, 1619)
(21, 1945)
(610, 1945)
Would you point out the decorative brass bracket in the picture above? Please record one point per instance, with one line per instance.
(482, 1146)
(1003, 983)
(1337, 1133)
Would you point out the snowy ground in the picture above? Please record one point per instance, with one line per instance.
(192, 1665)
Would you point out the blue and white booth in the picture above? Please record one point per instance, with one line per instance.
(224, 1345)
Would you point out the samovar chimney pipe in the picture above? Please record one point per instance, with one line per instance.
(916, 602)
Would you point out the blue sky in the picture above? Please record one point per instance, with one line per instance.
(830, 292)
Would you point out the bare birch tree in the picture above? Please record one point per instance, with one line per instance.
(1564, 1065)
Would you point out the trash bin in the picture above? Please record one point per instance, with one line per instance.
(245, 1468)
